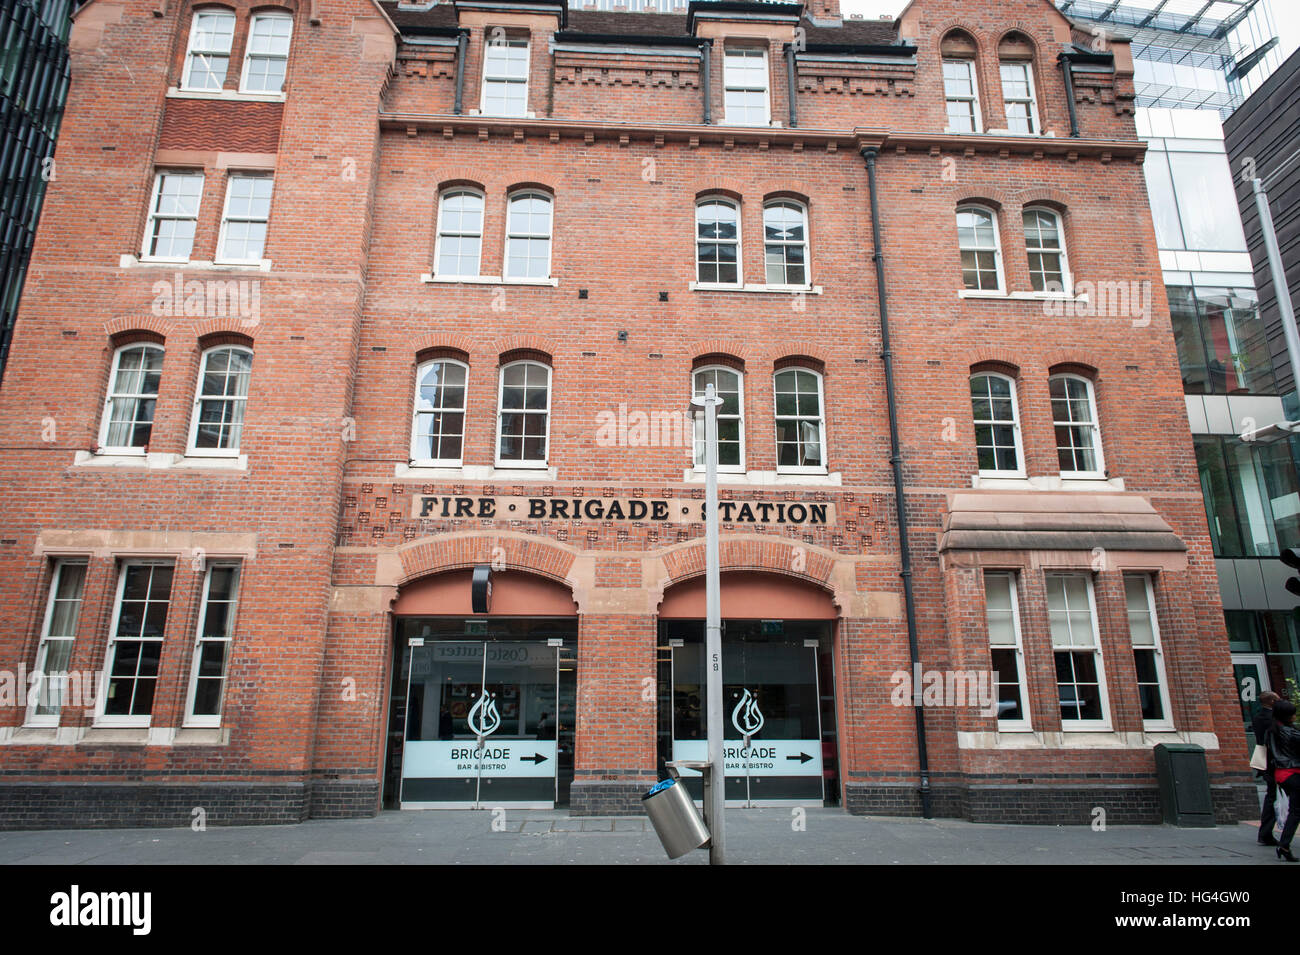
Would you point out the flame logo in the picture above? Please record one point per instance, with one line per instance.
(483, 718)
(747, 718)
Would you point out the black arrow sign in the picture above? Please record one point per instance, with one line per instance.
(537, 759)
(802, 757)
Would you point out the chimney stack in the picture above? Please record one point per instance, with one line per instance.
(824, 10)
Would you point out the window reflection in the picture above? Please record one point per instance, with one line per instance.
(1221, 341)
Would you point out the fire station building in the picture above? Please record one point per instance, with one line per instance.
(347, 459)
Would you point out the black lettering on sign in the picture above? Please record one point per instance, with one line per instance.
(464, 507)
(536, 507)
(659, 510)
(487, 507)
(559, 510)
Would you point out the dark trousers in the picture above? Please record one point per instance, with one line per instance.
(1292, 789)
(1268, 815)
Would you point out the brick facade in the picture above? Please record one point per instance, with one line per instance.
(321, 508)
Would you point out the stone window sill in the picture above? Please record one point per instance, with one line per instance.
(1081, 739)
(176, 92)
(138, 262)
(430, 278)
(1020, 296)
(113, 736)
(766, 478)
(159, 461)
(768, 289)
(473, 472)
(1047, 483)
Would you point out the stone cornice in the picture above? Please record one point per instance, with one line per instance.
(799, 138)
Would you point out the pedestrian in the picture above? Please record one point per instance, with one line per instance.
(1261, 724)
(1284, 753)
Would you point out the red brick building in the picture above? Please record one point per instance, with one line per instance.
(345, 458)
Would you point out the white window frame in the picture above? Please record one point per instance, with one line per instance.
(1025, 724)
(973, 99)
(191, 449)
(450, 193)
(155, 216)
(221, 258)
(1067, 280)
(111, 396)
(416, 460)
(747, 52)
(1100, 471)
(1031, 102)
(110, 652)
(1102, 725)
(1001, 287)
(34, 718)
(1019, 472)
(191, 53)
(739, 243)
(778, 418)
(1157, 647)
(805, 244)
(196, 657)
(249, 55)
(501, 411)
(511, 199)
(488, 77)
(738, 468)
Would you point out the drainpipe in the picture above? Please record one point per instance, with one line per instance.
(790, 82)
(869, 153)
(462, 41)
(1067, 70)
(705, 49)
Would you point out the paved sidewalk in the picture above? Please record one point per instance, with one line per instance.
(539, 837)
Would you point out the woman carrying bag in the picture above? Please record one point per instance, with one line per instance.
(1284, 754)
(1259, 760)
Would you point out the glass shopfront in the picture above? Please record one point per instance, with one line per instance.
(778, 712)
(482, 713)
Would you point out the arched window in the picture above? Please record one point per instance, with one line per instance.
(717, 242)
(1016, 65)
(438, 422)
(800, 421)
(528, 236)
(267, 57)
(785, 243)
(217, 425)
(1078, 438)
(132, 394)
(523, 414)
(728, 385)
(460, 233)
(997, 425)
(981, 250)
(960, 86)
(1049, 270)
(207, 58)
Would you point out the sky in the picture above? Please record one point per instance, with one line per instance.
(1285, 14)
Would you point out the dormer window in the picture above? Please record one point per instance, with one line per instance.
(744, 83)
(960, 86)
(505, 76)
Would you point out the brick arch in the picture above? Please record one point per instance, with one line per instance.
(725, 359)
(982, 195)
(733, 188)
(686, 561)
(996, 365)
(449, 176)
(1084, 367)
(530, 184)
(796, 189)
(525, 343)
(118, 328)
(1042, 195)
(801, 348)
(717, 346)
(507, 550)
(227, 325)
(980, 37)
(1021, 27)
(433, 340)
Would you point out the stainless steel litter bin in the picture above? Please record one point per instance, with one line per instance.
(672, 811)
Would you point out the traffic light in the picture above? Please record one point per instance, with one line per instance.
(1291, 557)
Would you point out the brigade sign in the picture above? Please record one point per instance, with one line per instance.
(657, 510)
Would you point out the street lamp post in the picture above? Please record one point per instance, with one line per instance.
(713, 627)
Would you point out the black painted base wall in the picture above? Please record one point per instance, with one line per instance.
(604, 798)
(120, 805)
(1042, 805)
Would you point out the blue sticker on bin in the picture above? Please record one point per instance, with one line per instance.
(659, 787)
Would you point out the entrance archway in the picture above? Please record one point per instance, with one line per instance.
(482, 704)
(779, 713)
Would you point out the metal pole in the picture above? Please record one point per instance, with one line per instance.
(717, 792)
(1278, 275)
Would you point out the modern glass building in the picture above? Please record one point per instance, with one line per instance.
(1194, 63)
(33, 84)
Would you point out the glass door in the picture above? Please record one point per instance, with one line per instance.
(1251, 674)
(772, 739)
(481, 725)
